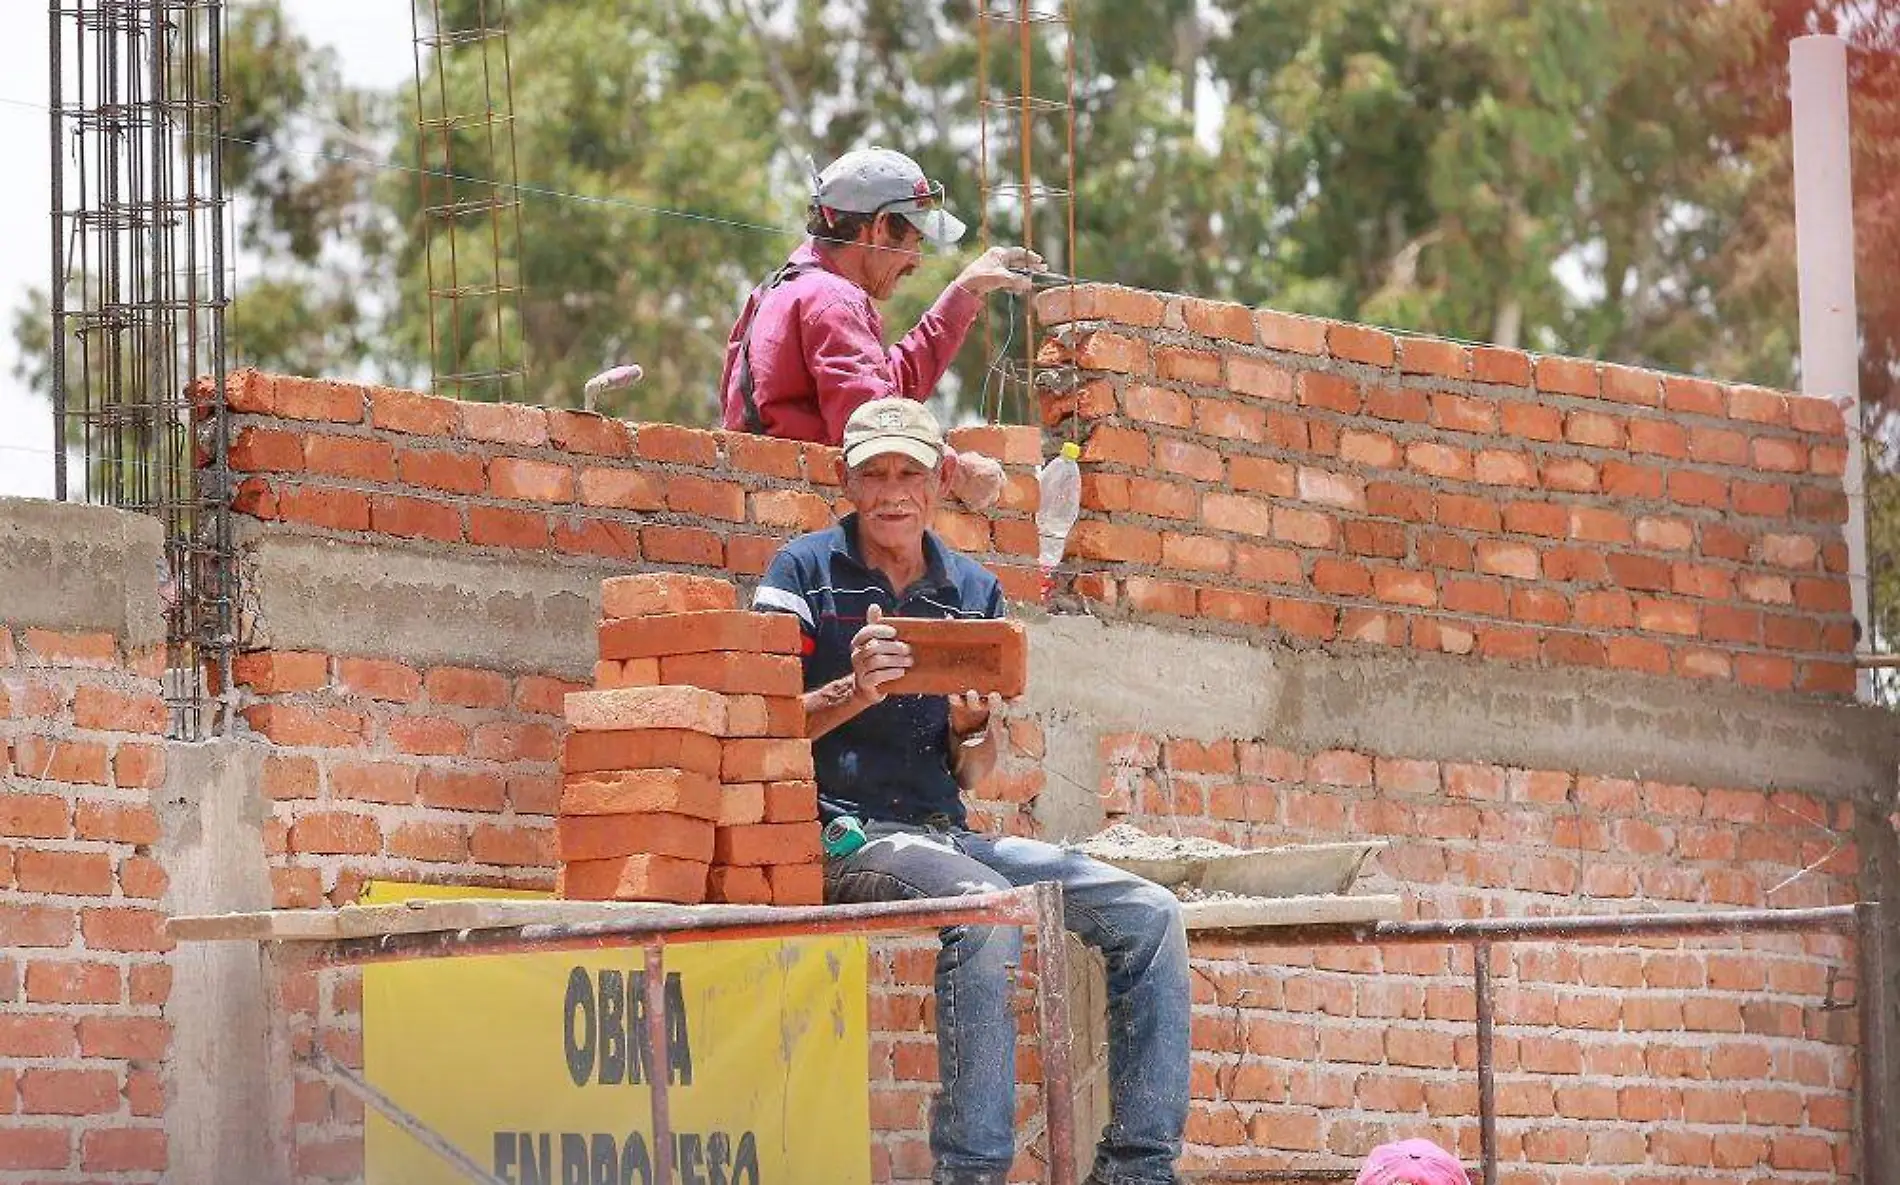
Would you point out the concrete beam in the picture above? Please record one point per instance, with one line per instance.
(230, 1065)
(74, 567)
(1595, 722)
(1089, 677)
(418, 606)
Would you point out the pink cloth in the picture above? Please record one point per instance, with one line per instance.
(818, 352)
(1412, 1162)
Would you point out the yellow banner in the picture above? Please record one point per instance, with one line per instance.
(535, 1065)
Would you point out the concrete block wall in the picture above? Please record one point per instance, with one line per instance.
(1330, 483)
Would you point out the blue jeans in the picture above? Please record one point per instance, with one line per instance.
(1136, 926)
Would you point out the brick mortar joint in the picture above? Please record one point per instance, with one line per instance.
(1411, 431)
(1432, 483)
(1065, 330)
(1345, 646)
(1415, 432)
(490, 450)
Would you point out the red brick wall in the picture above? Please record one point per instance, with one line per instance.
(383, 770)
(1699, 1060)
(1330, 483)
(1322, 485)
(339, 459)
(84, 973)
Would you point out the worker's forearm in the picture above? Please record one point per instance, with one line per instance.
(831, 705)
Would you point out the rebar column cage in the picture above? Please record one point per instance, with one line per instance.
(137, 292)
(1029, 27)
(471, 203)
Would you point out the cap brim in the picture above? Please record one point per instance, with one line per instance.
(907, 446)
(940, 226)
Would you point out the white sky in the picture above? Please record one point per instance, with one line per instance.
(372, 37)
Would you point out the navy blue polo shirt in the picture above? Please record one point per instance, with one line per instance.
(891, 761)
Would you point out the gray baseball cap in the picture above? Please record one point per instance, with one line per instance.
(881, 181)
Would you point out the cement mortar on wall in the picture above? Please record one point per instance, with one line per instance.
(425, 608)
(70, 567)
(1090, 677)
(229, 1114)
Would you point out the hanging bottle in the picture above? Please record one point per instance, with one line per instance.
(1059, 483)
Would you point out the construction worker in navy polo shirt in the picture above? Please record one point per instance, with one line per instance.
(900, 763)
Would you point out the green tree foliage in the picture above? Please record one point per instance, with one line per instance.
(1598, 177)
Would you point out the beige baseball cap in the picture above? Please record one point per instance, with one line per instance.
(892, 426)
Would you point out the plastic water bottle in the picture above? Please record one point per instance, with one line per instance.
(1060, 484)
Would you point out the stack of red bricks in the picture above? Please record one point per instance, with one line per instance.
(688, 777)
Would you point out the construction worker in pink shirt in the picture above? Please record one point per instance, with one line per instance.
(808, 347)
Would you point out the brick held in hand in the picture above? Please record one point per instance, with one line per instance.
(645, 877)
(951, 656)
(631, 791)
(767, 843)
(738, 885)
(769, 760)
(736, 674)
(641, 748)
(691, 708)
(796, 884)
(711, 632)
(664, 592)
(741, 803)
(791, 802)
(598, 837)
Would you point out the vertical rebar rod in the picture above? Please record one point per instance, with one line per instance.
(422, 184)
(1487, 1084)
(983, 184)
(659, 1069)
(1028, 190)
(56, 286)
(514, 201)
(1876, 1124)
(1052, 1020)
(129, 335)
(494, 206)
(223, 595)
(448, 189)
(1068, 29)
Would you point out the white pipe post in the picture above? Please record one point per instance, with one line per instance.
(1824, 252)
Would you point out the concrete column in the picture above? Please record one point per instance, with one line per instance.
(229, 1118)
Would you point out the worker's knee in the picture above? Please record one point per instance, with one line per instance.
(982, 948)
(1154, 913)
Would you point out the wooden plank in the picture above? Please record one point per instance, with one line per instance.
(419, 915)
(1252, 913)
(270, 925)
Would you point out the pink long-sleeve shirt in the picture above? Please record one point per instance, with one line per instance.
(818, 352)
